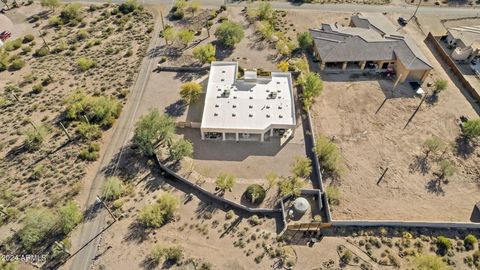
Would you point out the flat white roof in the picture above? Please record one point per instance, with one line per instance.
(247, 105)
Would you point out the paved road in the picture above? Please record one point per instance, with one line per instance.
(348, 8)
(122, 133)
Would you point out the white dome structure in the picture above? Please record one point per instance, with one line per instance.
(300, 206)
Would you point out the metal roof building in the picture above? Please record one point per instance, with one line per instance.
(250, 109)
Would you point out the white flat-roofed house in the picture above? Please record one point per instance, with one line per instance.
(249, 109)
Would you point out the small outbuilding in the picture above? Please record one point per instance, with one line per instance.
(300, 206)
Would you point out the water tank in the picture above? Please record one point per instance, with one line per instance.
(300, 206)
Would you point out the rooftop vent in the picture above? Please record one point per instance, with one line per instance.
(280, 116)
(223, 71)
(250, 115)
(234, 115)
(268, 107)
(251, 97)
(234, 106)
(278, 82)
(222, 80)
(250, 106)
(279, 107)
(272, 95)
(226, 93)
(216, 105)
(268, 115)
(215, 114)
(234, 97)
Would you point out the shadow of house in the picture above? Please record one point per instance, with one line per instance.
(475, 216)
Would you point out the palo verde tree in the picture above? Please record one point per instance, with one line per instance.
(205, 53)
(180, 149)
(305, 41)
(312, 87)
(113, 188)
(471, 129)
(185, 36)
(225, 181)
(229, 33)
(291, 185)
(190, 92)
(159, 213)
(440, 85)
(328, 155)
(151, 129)
(302, 167)
(433, 145)
(446, 169)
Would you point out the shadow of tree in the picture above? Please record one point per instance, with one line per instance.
(189, 76)
(420, 164)
(222, 52)
(176, 109)
(432, 99)
(205, 209)
(127, 163)
(435, 186)
(464, 148)
(137, 233)
(92, 211)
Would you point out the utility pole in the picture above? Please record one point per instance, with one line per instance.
(65, 131)
(108, 209)
(44, 42)
(163, 23)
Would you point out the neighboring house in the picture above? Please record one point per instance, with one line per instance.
(370, 42)
(249, 109)
(465, 40)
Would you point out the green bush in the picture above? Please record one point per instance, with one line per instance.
(430, 262)
(85, 64)
(328, 155)
(26, 49)
(82, 34)
(305, 41)
(71, 13)
(302, 167)
(190, 91)
(37, 88)
(12, 45)
(471, 129)
(38, 172)
(159, 213)
(170, 254)
(229, 33)
(225, 181)
(255, 220)
(291, 186)
(99, 110)
(229, 214)
(112, 189)
(17, 64)
(38, 224)
(90, 153)
(128, 6)
(255, 193)
(312, 88)
(470, 241)
(205, 53)
(180, 149)
(28, 38)
(333, 195)
(69, 216)
(152, 129)
(443, 244)
(43, 51)
(4, 60)
(35, 137)
(89, 131)
(440, 85)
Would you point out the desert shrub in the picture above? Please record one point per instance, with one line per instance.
(433, 145)
(271, 178)
(283, 66)
(169, 34)
(312, 87)
(26, 49)
(17, 64)
(447, 169)
(4, 60)
(69, 216)
(37, 88)
(82, 34)
(170, 254)
(128, 6)
(255, 193)
(112, 189)
(28, 38)
(180, 149)
(41, 52)
(152, 129)
(443, 244)
(285, 47)
(51, 4)
(333, 195)
(37, 225)
(91, 152)
(471, 129)
(328, 155)
(440, 85)
(12, 45)
(99, 110)
(229, 214)
(470, 241)
(430, 262)
(262, 12)
(255, 220)
(190, 91)
(89, 131)
(302, 167)
(305, 41)
(290, 186)
(85, 63)
(205, 53)
(37, 172)
(229, 33)
(185, 36)
(299, 64)
(35, 137)
(159, 213)
(225, 181)
(71, 12)
(347, 256)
